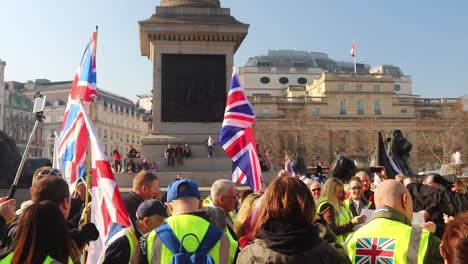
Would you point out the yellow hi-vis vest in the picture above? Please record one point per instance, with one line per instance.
(48, 260)
(182, 225)
(342, 216)
(132, 241)
(387, 240)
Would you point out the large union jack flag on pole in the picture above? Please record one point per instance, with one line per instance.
(237, 137)
(71, 149)
(375, 250)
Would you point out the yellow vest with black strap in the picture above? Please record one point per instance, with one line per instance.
(182, 225)
(47, 260)
(132, 241)
(342, 216)
(385, 239)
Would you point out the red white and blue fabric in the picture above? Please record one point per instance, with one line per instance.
(237, 137)
(108, 211)
(84, 83)
(288, 165)
(375, 250)
(71, 149)
(353, 49)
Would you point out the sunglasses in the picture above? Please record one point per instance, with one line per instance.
(316, 190)
(50, 172)
(356, 188)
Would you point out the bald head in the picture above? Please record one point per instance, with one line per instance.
(394, 194)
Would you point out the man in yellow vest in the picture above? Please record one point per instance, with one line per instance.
(188, 223)
(389, 236)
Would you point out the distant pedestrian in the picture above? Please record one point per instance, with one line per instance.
(117, 160)
(170, 155)
(210, 146)
(179, 154)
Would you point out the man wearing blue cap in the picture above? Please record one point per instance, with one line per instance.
(188, 226)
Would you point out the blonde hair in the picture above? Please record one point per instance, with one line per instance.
(329, 190)
(244, 212)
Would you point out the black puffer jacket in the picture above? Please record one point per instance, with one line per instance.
(284, 242)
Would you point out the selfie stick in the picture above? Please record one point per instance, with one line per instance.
(39, 118)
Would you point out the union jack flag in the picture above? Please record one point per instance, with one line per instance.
(237, 137)
(84, 83)
(375, 250)
(288, 165)
(71, 150)
(108, 211)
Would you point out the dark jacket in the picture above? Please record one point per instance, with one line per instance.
(432, 252)
(284, 242)
(132, 201)
(437, 201)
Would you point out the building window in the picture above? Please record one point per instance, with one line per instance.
(301, 80)
(376, 88)
(341, 87)
(315, 111)
(266, 112)
(105, 133)
(283, 80)
(404, 110)
(377, 107)
(359, 88)
(360, 107)
(342, 107)
(263, 63)
(265, 80)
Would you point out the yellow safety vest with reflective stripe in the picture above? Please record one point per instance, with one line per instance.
(48, 260)
(348, 201)
(342, 216)
(189, 224)
(388, 239)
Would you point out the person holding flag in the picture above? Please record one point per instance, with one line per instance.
(237, 137)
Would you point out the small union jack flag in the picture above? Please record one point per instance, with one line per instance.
(237, 137)
(375, 250)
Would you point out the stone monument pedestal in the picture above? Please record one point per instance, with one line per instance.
(191, 45)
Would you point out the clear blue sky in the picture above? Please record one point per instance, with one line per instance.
(427, 39)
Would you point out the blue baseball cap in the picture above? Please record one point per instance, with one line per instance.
(191, 191)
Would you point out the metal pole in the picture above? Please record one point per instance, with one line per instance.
(23, 159)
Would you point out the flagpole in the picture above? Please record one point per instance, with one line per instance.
(88, 163)
(88, 153)
(355, 54)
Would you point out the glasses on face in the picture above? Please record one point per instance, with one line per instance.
(316, 190)
(50, 172)
(355, 188)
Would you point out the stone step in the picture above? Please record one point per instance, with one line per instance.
(202, 178)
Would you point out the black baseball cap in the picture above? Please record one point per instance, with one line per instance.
(151, 207)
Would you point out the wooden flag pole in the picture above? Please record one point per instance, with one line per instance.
(87, 213)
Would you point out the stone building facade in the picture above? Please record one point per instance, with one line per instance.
(19, 119)
(340, 113)
(118, 121)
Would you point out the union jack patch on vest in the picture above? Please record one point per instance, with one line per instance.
(375, 250)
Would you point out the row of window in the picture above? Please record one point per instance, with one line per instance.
(119, 136)
(359, 107)
(342, 108)
(283, 80)
(118, 108)
(359, 89)
(119, 122)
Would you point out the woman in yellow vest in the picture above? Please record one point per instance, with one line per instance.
(42, 236)
(332, 209)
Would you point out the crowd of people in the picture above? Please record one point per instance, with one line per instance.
(290, 221)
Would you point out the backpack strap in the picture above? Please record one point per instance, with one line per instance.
(210, 239)
(169, 239)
